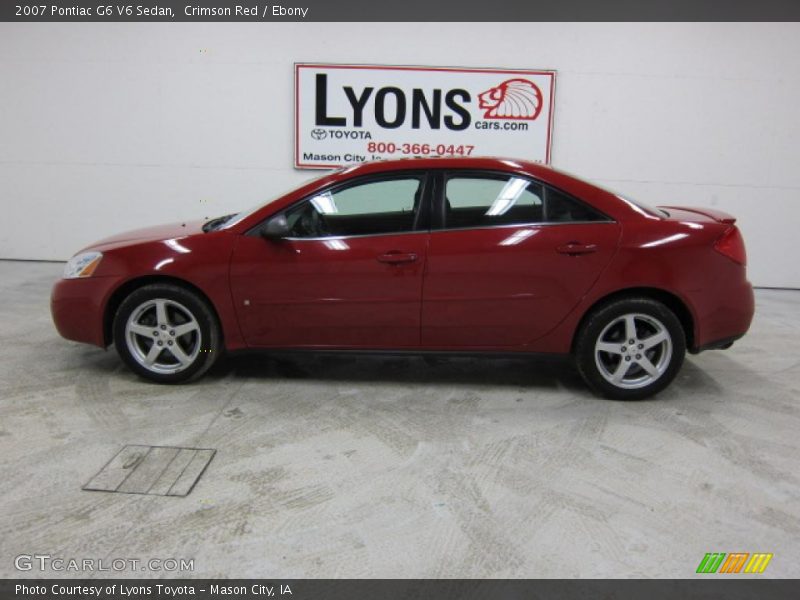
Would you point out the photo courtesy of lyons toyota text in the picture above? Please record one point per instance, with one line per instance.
(343, 301)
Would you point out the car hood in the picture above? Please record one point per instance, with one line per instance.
(149, 234)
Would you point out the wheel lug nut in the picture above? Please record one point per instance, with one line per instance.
(160, 343)
(638, 356)
(155, 333)
(626, 358)
(624, 349)
(641, 346)
(169, 343)
(630, 342)
(163, 327)
(173, 333)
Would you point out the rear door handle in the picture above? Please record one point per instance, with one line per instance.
(576, 248)
(397, 258)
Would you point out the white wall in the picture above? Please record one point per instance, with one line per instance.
(108, 127)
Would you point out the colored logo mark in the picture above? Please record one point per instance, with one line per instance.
(512, 99)
(734, 562)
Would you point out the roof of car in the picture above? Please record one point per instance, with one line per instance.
(449, 162)
(539, 171)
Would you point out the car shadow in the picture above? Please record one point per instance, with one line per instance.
(544, 372)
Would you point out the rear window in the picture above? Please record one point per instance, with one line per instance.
(650, 210)
(636, 204)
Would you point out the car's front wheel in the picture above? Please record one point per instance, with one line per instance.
(166, 333)
(630, 349)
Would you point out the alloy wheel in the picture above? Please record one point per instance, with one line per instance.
(633, 351)
(163, 336)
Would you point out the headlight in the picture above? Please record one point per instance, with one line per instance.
(82, 265)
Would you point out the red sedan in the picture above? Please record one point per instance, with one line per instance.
(422, 255)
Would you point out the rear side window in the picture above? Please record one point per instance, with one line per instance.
(561, 208)
(478, 201)
(484, 200)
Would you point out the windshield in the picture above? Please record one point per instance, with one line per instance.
(228, 221)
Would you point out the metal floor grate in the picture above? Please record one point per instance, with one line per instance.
(156, 470)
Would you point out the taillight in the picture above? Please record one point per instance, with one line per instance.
(731, 244)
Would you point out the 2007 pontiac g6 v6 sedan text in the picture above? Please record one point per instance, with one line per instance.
(418, 255)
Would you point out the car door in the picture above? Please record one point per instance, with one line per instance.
(348, 275)
(508, 259)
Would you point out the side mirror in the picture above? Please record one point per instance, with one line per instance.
(276, 228)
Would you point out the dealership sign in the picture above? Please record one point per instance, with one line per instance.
(353, 113)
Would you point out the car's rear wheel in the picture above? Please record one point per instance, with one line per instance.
(630, 349)
(166, 333)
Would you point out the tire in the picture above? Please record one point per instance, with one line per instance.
(179, 320)
(603, 348)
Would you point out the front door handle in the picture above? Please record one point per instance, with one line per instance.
(576, 248)
(397, 258)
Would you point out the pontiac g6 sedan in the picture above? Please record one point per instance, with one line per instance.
(451, 255)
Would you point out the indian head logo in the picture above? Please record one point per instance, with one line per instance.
(512, 99)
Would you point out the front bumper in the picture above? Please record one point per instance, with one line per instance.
(78, 305)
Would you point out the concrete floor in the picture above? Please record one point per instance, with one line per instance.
(385, 467)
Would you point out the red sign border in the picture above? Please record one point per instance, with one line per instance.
(302, 65)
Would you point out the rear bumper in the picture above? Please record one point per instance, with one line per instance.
(77, 307)
(723, 318)
(722, 344)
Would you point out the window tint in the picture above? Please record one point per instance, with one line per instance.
(385, 206)
(560, 208)
(477, 201)
(486, 200)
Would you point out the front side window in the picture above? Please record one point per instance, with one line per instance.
(484, 200)
(373, 207)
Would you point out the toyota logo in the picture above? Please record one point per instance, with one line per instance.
(319, 134)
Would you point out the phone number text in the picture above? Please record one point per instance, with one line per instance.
(420, 149)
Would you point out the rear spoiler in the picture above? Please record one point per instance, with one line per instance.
(717, 215)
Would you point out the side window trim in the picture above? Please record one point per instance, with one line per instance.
(422, 217)
(441, 176)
